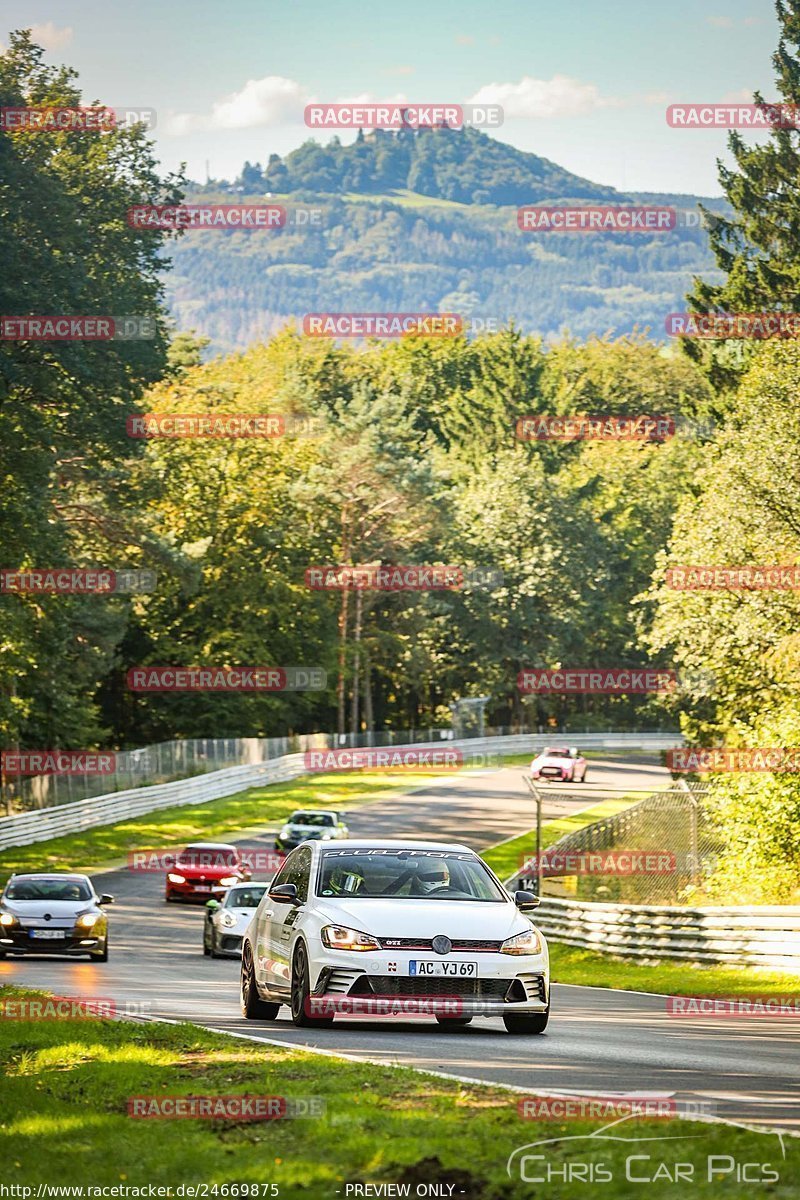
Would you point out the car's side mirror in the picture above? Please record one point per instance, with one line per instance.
(106, 899)
(213, 905)
(284, 893)
(525, 900)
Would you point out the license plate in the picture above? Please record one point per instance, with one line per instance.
(202, 887)
(459, 970)
(47, 933)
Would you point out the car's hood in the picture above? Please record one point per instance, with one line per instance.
(425, 918)
(243, 918)
(57, 909)
(310, 830)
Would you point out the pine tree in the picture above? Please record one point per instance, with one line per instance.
(758, 246)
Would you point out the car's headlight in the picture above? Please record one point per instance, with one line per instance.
(229, 880)
(527, 942)
(228, 920)
(176, 878)
(87, 920)
(338, 937)
(286, 831)
(7, 919)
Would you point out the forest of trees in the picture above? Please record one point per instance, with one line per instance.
(414, 460)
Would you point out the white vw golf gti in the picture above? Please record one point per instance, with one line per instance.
(403, 920)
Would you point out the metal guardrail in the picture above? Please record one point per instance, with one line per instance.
(766, 936)
(23, 829)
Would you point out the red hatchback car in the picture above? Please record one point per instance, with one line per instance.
(204, 870)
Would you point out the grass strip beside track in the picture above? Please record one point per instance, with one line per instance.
(64, 1104)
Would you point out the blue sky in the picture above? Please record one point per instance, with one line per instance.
(584, 82)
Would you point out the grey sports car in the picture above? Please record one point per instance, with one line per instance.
(48, 913)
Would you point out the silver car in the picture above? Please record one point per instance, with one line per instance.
(48, 913)
(226, 920)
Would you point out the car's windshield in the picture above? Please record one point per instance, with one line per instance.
(48, 889)
(310, 818)
(244, 897)
(207, 856)
(558, 753)
(406, 874)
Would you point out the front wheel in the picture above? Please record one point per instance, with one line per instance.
(454, 1022)
(526, 1022)
(301, 993)
(253, 1007)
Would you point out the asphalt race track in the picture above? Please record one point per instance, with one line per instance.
(598, 1042)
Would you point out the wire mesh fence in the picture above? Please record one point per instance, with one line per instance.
(658, 851)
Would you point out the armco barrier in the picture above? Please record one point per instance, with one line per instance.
(766, 936)
(23, 829)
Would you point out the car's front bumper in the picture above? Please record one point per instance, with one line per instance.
(228, 945)
(19, 941)
(195, 891)
(503, 983)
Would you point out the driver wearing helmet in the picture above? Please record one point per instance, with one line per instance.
(436, 875)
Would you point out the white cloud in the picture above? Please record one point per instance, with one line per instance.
(540, 98)
(50, 36)
(272, 100)
(464, 39)
(720, 22)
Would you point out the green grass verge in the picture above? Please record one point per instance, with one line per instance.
(257, 808)
(572, 964)
(64, 1117)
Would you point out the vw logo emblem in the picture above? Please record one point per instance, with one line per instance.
(442, 944)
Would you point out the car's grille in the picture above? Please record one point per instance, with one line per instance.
(230, 942)
(462, 945)
(402, 985)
